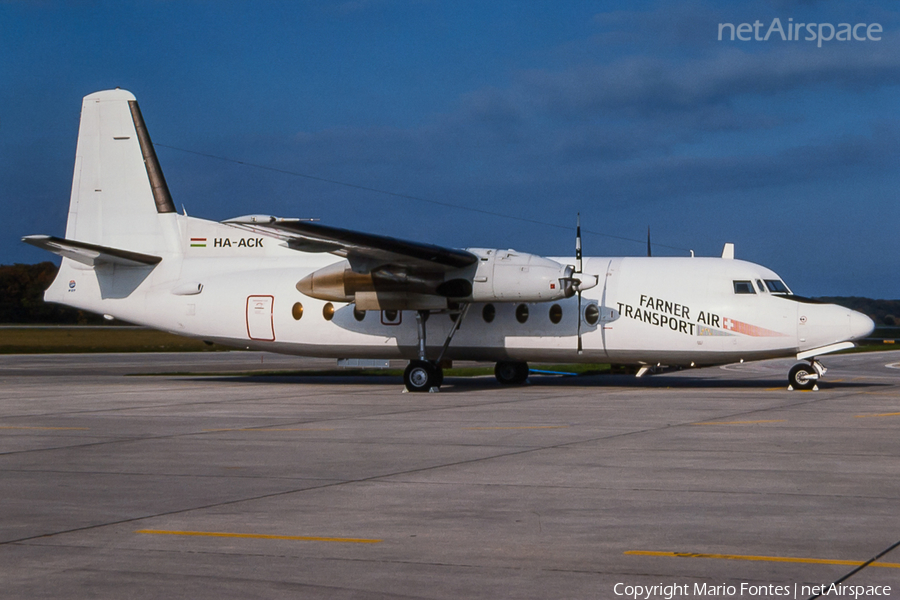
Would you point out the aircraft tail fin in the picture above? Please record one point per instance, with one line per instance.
(120, 198)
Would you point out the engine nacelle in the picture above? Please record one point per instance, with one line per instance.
(499, 276)
(510, 276)
(338, 282)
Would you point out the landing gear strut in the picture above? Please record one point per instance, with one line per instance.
(423, 375)
(805, 376)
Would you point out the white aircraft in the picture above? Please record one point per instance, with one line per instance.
(297, 287)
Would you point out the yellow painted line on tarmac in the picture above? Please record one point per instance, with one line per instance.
(880, 415)
(739, 422)
(530, 427)
(263, 430)
(782, 559)
(47, 428)
(258, 536)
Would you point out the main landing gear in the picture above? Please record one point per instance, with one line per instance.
(805, 376)
(511, 373)
(423, 375)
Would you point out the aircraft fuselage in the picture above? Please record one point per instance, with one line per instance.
(674, 311)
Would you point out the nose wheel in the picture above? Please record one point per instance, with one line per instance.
(805, 376)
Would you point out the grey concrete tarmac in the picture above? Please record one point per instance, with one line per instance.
(119, 486)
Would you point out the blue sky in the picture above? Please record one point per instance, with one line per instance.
(491, 123)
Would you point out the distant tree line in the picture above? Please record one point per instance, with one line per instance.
(22, 300)
(883, 312)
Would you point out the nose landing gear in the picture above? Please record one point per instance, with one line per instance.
(805, 376)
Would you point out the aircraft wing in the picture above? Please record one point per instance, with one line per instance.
(364, 251)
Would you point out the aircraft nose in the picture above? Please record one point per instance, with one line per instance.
(860, 325)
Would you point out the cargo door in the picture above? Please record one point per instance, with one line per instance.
(259, 318)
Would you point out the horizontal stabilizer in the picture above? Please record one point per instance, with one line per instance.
(91, 254)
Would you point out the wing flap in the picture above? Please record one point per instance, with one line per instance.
(91, 254)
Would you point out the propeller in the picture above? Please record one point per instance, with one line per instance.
(575, 279)
(648, 241)
(578, 271)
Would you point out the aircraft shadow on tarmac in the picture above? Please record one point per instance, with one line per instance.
(468, 384)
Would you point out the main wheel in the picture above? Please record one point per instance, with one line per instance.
(422, 375)
(511, 373)
(802, 377)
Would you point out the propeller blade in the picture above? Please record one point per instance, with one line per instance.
(578, 244)
(648, 241)
(580, 350)
(578, 270)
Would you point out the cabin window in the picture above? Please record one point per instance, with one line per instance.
(522, 313)
(488, 313)
(297, 311)
(328, 311)
(359, 315)
(743, 287)
(555, 314)
(776, 286)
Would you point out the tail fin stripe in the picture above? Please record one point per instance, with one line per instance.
(161, 194)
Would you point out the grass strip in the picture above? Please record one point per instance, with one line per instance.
(62, 340)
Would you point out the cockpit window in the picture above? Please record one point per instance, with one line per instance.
(743, 287)
(776, 286)
(760, 286)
